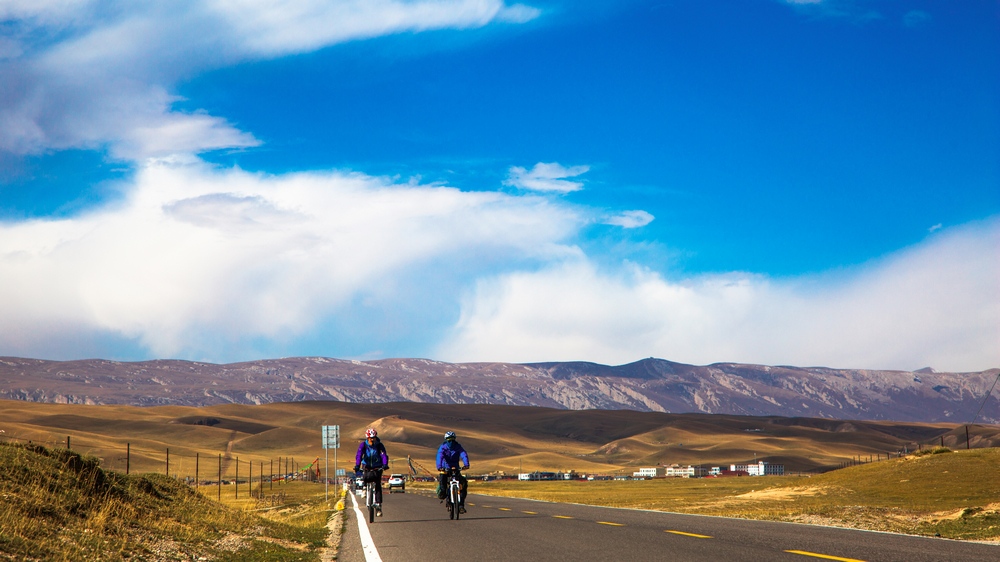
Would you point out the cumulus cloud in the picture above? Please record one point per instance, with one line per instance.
(546, 177)
(195, 255)
(85, 74)
(935, 304)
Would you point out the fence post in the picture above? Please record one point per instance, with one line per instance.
(196, 459)
(128, 456)
(168, 461)
(967, 444)
(272, 474)
(237, 478)
(220, 477)
(67, 444)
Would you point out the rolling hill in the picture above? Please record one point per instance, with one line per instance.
(498, 437)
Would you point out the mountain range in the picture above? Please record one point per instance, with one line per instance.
(647, 385)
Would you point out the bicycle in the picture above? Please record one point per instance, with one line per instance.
(454, 498)
(369, 479)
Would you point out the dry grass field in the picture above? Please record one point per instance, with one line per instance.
(951, 494)
(499, 438)
(57, 505)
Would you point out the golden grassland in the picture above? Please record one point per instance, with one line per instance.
(499, 438)
(57, 505)
(951, 494)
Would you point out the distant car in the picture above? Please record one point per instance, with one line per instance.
(397, 481)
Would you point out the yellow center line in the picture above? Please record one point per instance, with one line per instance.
(828, 557)
(531, 512)
(615, 524)
(503, 509)
(562, 517)
(688, 534)
(487, 506)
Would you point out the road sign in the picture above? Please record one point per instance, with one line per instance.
(331, 436)
(331, 440)
(341, 472)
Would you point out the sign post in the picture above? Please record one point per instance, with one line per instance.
(331, 440)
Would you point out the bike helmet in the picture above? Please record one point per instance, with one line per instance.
(449, 435)
(369, 433)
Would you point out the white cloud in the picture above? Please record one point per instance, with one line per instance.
(852, 9)
(546, 177)
(518, 13)
(85, 74)
(196, 255)
(935, 304)
(629, 219)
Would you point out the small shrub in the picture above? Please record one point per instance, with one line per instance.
(934, 451)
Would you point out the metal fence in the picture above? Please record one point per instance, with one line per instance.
(237, 478)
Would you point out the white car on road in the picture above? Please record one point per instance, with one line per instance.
(397, 481)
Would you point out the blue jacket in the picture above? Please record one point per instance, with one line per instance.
(451, 455)
(373, 456)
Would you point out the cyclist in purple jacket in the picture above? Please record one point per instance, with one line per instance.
(373, 459)
(451, 455)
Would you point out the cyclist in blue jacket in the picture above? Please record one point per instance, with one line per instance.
(452, 455)
(373, 458)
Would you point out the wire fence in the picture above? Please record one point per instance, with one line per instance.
(237, 478)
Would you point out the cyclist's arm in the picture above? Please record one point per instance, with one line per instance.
(359, 458)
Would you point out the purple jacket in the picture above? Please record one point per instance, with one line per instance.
(372, 456)
(450, 455)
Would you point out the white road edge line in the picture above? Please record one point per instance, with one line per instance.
(367, 544)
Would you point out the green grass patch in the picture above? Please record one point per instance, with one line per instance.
(57, 505)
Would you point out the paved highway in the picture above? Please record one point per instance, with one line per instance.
(416, 527)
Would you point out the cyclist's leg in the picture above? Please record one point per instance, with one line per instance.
(378, 487)
(442, 485)
(465, 486)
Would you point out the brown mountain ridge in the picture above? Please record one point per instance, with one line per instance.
(652, 385)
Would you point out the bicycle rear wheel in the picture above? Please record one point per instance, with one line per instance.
(371, 503)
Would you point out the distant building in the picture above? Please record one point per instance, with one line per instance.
(718, 471)
(678, 471)
(650, 472)
(760, 468)
(535, 476)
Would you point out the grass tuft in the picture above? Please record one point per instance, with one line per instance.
(934, 451)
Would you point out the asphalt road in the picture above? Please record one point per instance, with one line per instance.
(416, 527)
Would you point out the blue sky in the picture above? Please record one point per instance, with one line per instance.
(769, 181)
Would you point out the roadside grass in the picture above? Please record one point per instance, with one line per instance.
(951, 494)
(57, 505)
